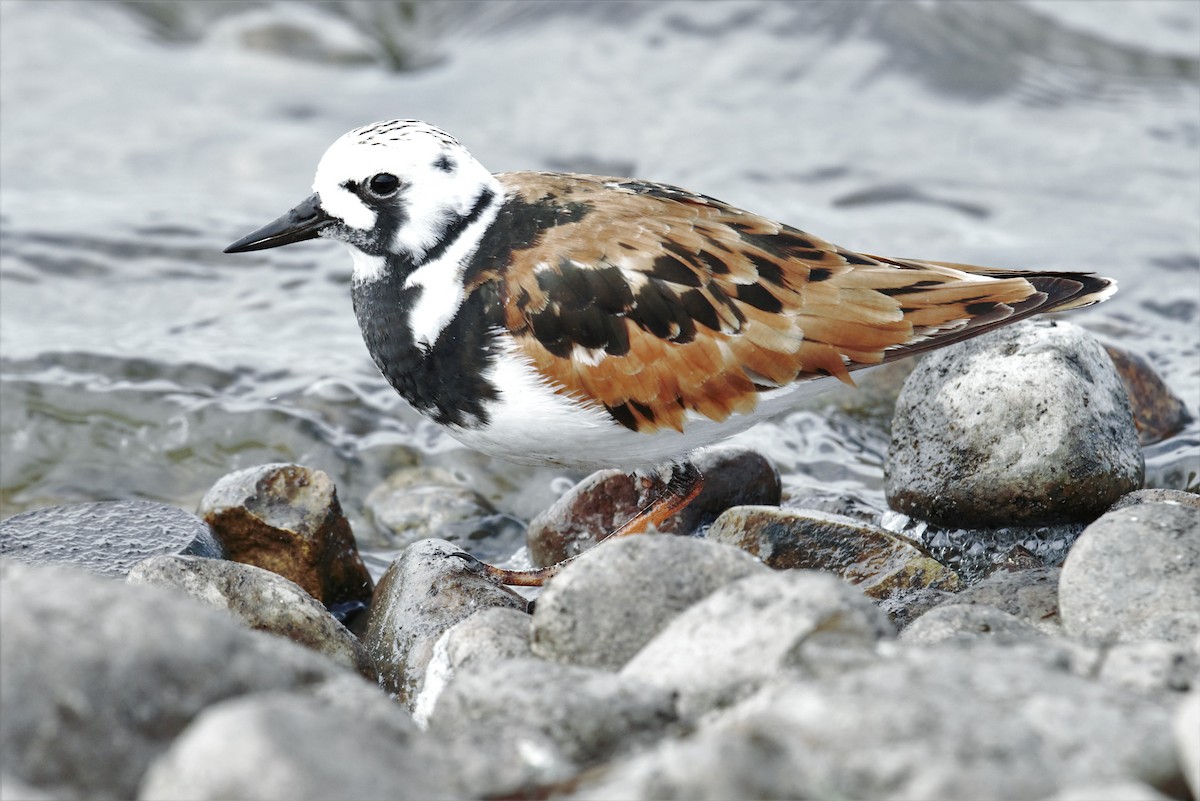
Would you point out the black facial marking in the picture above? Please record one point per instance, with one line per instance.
(757, 296)
(455, 227)
(444, 163)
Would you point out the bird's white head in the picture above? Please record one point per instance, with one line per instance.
(397, 187)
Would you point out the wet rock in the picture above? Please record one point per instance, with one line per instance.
(1031, 595)
(1134, 574)
(879, 562)
(287, 519)
(490, 635)
(1110, 791)
(1188, 499)
(977, 720)
(1186, 727)
(263, 600)
(589, 714)
(1023, 426)
(282, 745)
(100, 676)
(606, 605)
(425, 591)
(107, 538)
(608, 499)
(1157, 412)
(417, 503)
(723, 647)
(1150, 666)
(956, 621)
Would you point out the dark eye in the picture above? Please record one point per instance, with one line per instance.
(383, 184)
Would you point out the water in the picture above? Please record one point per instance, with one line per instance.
(136, 140)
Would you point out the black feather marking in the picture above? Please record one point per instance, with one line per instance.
(623, 415)
(669, 268)
(699, 309)
(757, 296)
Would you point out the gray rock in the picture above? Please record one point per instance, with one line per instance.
(284, 745)
(416, 503)
(1188, 499)
(286, 518)
(608, 499)
(508, 761)
(1026, 425)
(1111, 791)
(1134, 574)
(425, 591)
(1031, 595)
(1186, 727)
(877, 561)
(1150, 666)
(263, 600)
(106, 538)
(13, 789)
(489, 635)
(589, 714)
(606, 605)
(956, 621)
(99, 676)
(974, 720)
(723, 647)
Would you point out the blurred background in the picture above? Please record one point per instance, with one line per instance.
(137, 139)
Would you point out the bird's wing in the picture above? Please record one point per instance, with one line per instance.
(656, 302)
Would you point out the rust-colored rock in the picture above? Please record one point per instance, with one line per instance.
(879, 562)
(286, 518)
(607, 499)
(1157, 412)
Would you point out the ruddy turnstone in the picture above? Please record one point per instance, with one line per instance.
(590, 321)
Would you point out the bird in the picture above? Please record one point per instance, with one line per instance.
(588, 321)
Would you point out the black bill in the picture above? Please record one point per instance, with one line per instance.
(303, 222)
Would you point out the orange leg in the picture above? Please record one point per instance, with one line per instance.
(682, 488)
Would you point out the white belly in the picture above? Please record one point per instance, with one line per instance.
(531, 423)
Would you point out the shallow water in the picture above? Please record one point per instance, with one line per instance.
(137, 140)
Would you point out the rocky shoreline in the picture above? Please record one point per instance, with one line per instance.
(769, 652)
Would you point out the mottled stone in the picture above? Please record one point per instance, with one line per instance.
(957, 621)
(425, 591)
(100, 676)
(1186, 728)
(879, 562)
(286, 518)
(1188, 499)
(107, 538)
(610, 602)
(1026, 425)
(1150, 666)
(723, 647)
(263, 600)
(607, 499)
(1031, 595)
(1134, 574)
(1157, 412)
(285, 745)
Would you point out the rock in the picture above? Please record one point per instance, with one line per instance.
(956, 621)
(287, 519)
(1134, 574)
(607, 499)
(606, 605)
(1031, 595)
(977, 720)
(1150, 666)
(1111, 791)
(13, 789)
(490, 635)
(100, 676)
(1186, 727)
(589, 714)
(263, 600)
(106, 538)
(1188, 499)
(417, 503)
(425, 591)
(1157, 412)
(723, 647)
(879, 562)
(1022, 426)
(283, 745)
